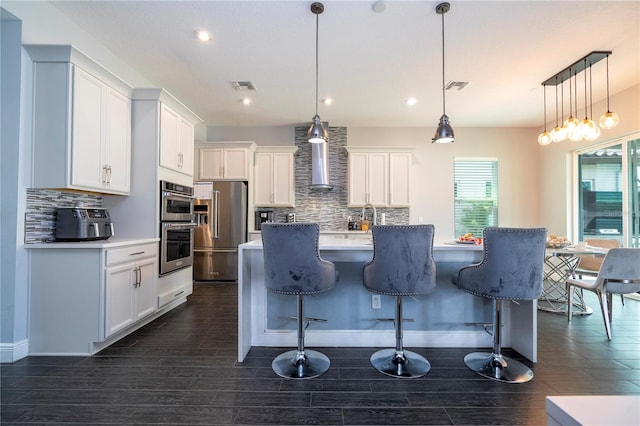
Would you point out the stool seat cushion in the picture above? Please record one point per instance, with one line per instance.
(292, 263)
(512, 267)
(402, 261)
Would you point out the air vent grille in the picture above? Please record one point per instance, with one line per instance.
(243, 85)
(456, 85)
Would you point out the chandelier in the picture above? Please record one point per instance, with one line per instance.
(573, 128)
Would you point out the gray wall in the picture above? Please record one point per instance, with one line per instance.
(13, 269)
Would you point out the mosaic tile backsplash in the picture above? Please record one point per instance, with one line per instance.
(328, 208)
(40, 215)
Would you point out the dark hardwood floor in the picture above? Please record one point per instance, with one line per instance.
(182, 369)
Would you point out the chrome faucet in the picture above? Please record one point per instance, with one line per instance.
(375, 214)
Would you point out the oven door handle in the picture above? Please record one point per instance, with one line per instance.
(178, 225)
(170, 195)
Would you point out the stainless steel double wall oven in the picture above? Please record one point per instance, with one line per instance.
(176, 227)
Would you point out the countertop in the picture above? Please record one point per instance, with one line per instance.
(99, 244)
(330, 243)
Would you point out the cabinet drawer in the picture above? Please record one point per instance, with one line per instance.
(171, 295)
(131, 253)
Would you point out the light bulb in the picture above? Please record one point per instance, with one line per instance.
(570, 125)
(577, 134)
(544, 138)
(593, 134)
(558, 134)
(609, 120)
(587, 128)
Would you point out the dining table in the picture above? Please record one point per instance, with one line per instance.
(560, 263)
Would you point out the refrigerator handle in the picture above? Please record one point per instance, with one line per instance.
(216, 215)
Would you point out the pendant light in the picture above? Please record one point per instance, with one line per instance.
(444, 132)
(576, 134)
(570, 123)
(609, 119)
(558, 133)
(594, 131)
(317, 133)
(544, 138)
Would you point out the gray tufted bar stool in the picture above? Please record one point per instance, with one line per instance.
(402, 265)
(512, 269)
(292, 265)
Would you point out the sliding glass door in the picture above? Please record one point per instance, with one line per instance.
(608, 192)
(633, 154)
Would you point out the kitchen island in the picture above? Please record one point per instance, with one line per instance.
(448, 317)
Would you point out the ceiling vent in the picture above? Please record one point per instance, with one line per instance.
(243, 85)
(456, 85)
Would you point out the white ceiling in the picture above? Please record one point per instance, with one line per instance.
(369, 62)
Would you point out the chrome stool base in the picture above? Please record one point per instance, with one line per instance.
(498, 367)
(300, 365)
(405, 364)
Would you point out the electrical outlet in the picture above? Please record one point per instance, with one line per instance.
(375, 301)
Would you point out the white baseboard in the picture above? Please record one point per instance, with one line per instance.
(12, 352)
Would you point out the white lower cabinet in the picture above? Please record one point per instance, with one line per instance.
(130, 288)
(85, 295)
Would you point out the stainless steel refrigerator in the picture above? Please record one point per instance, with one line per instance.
(221, 213)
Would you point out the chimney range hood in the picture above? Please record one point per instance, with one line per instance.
(319, 166)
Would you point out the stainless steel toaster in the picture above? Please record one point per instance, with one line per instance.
(83, 224)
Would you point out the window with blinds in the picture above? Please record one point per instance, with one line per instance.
(475, 195)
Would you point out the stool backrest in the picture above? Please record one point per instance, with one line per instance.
(512, 267)
(621, 264)
(402, 261)
(292, 263)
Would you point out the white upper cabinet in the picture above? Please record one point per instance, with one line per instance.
(163, 123)
(379, 176)
(274, 177)
(176, 141)
(226, 161)
(82, 123)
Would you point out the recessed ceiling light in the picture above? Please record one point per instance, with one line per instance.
(327, 101)
(379, 6)
(203, 35)
(246, 101)
(411, 101)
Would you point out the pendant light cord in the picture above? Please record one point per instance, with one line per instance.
(317, 63)
(443, 97)
(590, 93)
(586, 111)
(544, 94)
(608, 110)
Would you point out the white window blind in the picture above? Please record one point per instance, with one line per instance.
(475, 195)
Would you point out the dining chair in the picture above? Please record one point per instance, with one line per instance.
(512, 268)
(589, 264)
(619, 274)
(292, 265)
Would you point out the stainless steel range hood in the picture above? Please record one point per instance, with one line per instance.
(319, 166)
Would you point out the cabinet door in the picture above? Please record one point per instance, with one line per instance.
(117, 141)
(145, 292)
(378, 181)
(119, 303)
(236, 163)
(88, 169)
(283, 180)
(263, 186)
(211, 165)
(399, 179)
(358, 166)
(186, 147)
(169, 138)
